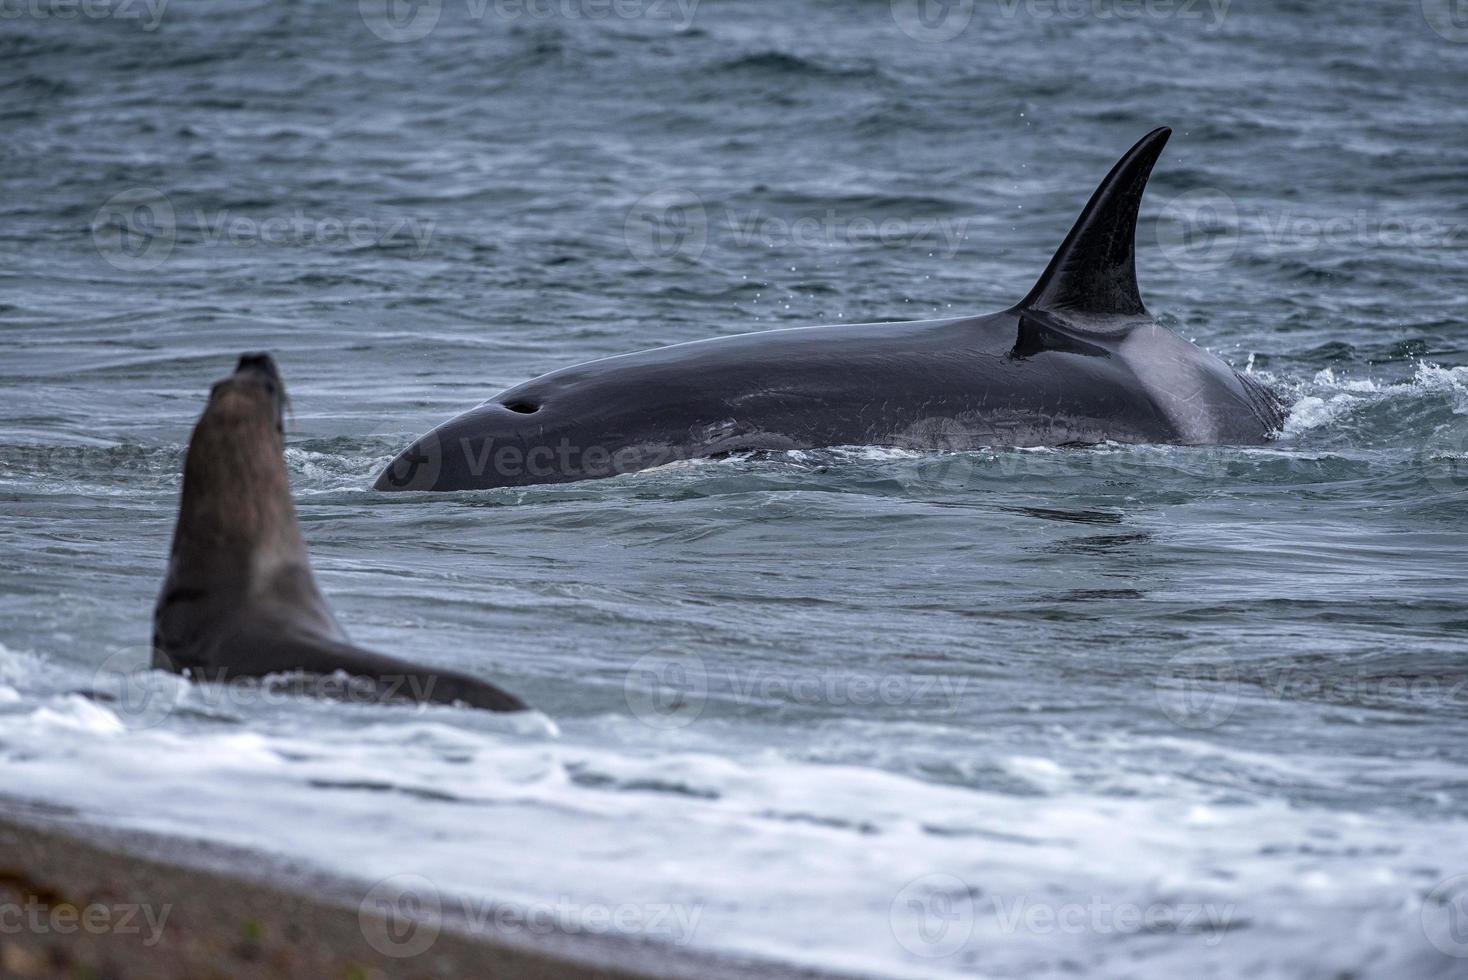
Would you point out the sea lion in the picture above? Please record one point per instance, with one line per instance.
(1077, 361)
(239, 599)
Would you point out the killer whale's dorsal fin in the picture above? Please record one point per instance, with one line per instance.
(1095, 271)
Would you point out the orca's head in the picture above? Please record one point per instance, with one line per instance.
(604, 419)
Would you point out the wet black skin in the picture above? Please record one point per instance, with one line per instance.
(1078, 361)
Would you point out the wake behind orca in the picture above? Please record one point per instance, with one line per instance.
(1077, 361)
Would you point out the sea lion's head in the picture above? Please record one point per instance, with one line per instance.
(236, 493)
(254, 393)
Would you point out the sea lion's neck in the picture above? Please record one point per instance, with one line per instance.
(237, 522)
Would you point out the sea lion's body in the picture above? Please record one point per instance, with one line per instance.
(239, 599)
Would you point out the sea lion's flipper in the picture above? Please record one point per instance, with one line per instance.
(1095, 270)
(267, 649)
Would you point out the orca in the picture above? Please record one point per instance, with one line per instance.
(1078, 361)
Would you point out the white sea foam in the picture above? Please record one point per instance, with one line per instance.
(1327, 398)
(1313, 412)
(17, 667)
(76, 713)
(843, 866)
(1452, 381)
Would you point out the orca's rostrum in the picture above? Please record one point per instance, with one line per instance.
(1077, 361)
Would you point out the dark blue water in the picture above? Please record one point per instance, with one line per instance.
(882, 711)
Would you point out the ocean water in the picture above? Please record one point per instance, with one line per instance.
(1124, 712)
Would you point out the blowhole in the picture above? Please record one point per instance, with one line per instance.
(524, 408)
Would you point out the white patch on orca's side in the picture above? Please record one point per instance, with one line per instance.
(1176, 380)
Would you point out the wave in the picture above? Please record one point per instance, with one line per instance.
(1380, 413)
(780, 64)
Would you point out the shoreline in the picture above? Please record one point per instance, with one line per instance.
(82, 900)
